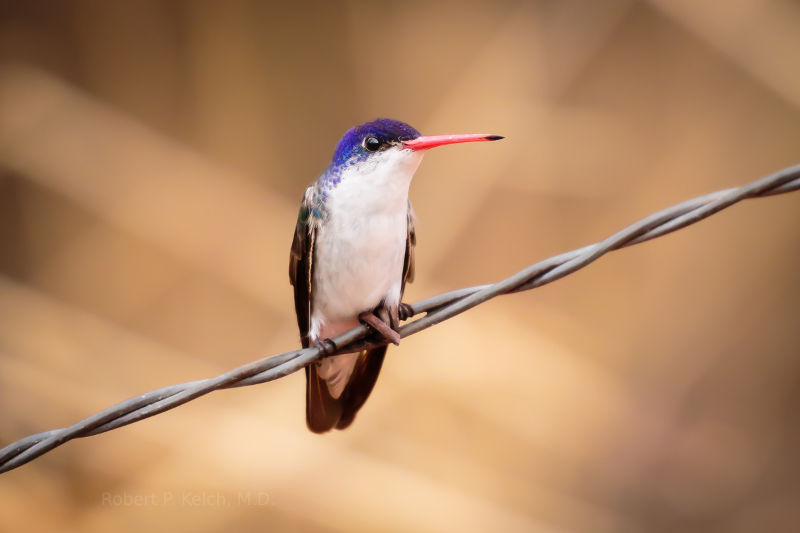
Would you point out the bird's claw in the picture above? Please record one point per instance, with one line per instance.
(326, 347)
(405, 311)
(379, 325)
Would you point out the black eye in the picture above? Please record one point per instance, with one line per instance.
(371, 143)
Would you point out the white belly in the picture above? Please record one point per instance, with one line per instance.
(358, 264)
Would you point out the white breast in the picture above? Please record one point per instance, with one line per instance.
(360, 248)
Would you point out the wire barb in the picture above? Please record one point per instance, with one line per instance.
(437, 309)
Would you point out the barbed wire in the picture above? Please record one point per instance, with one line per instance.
(437, 309)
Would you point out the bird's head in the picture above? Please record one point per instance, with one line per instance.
(390, 146)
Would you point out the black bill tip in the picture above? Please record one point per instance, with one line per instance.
(494, 137)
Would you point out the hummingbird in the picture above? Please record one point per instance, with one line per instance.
(351, 257)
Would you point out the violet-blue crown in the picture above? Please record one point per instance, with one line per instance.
(351, 146)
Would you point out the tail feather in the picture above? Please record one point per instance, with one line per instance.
(323, 412)
(361, 384)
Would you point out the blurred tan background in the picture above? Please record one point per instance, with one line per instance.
(152, 158)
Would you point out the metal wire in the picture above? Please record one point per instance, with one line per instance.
(437, 309)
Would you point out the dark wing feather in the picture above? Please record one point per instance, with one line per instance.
(322, 411)
(300, 269)
(369, 363)
(411, 242)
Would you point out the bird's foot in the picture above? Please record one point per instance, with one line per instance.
(405, 311)
(379, 324)
(326, 347)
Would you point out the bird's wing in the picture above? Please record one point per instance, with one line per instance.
(301, 264)
(322, 411)
(411, 242)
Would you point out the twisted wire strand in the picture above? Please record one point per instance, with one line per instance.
(437, 309)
